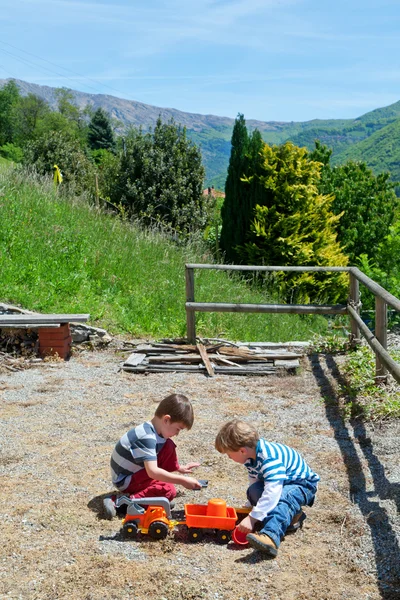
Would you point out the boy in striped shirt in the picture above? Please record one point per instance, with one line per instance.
(280, 483)
(144, 462)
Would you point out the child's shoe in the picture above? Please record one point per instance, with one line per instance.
(297, 522)
(262, 542)
(109, 507)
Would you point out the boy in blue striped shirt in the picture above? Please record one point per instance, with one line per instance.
(280, 483)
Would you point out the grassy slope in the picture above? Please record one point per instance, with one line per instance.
(59, 255)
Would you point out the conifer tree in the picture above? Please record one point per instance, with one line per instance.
(234, 191)
(100, 132)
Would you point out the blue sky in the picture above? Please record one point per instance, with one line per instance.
(273, 60)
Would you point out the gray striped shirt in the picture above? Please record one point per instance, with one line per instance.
(131, 452)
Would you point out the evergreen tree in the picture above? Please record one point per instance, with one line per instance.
(100, 132)
(294, 225)
(368, 203)
(235, 192)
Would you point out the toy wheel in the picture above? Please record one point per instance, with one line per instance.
(195, 535)
(223, 536)
(158, 530)
(130, 529)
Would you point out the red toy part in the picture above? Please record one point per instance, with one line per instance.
(239, 538)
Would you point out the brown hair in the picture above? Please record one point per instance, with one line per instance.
(235, 435)
(178, 407)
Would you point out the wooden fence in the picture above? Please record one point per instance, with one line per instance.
(383, 299)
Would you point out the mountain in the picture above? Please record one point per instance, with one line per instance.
(373, 137)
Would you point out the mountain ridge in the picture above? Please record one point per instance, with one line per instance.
(213, 133)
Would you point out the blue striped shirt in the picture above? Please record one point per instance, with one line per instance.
(277, 462)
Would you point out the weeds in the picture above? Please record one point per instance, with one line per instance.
(364, 397)
(60, 254)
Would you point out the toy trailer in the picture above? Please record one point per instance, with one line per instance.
(214, 515)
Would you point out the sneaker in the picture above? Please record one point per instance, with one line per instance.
(109, 508)
(262, 542)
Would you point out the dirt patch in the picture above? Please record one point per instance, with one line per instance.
(60, 423)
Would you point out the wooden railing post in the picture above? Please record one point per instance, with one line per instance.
(355, 302)
(190, 314)
(380, 334)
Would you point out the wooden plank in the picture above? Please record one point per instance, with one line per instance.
(42, 319)
(384, 356)
(376, 289)
(199, 369)
(298, 309)
(205, 359)
(255, 345)
(190, 315)
(134, 359)
(227, 362)
(272, 268)
(166, 368)
(287, 364)
(162, 358)
(29, 326)
(262, 354)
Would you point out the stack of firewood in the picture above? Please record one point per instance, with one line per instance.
(19, 342)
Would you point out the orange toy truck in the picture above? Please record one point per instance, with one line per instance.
(155, 520)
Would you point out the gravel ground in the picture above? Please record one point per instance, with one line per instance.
(59, 423)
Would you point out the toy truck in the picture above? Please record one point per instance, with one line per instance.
(155, 520)
(152, 516)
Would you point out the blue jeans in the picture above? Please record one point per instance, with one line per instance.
(295, 494)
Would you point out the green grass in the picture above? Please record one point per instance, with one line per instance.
(59, 254)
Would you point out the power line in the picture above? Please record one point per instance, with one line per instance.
(60, 67)
(6, 71)
(30, 63)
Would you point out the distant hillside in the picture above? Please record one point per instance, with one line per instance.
(380, 150)
(213, 133)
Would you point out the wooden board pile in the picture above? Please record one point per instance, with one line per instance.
(223, 358)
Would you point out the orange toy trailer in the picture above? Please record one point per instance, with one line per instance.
(214, 515)
(155, 520)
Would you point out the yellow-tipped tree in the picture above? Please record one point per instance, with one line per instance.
(294, 226)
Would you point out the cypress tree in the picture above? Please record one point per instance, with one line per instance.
(234, 191)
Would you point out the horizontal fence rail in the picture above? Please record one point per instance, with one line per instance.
(377, 340)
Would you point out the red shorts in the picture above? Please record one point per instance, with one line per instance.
(142, 486)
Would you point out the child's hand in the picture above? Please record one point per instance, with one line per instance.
(246, 526)
(191, 484)
(188, 468)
